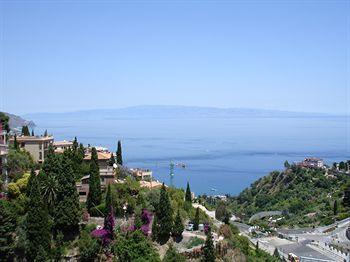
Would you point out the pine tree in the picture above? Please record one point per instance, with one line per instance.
(45, 133)
(37, 224)
(32, 132)
(95, 194)
(188, 196)
(335, 207)
(178, 227)
(196, 220)
(164, 216)
(67, 208)
(119, 154)
(208, 249)
(276, 254)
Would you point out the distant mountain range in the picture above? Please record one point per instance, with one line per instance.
(175, 112)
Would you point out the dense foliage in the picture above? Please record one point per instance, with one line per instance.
(95, 195)
(305, 196)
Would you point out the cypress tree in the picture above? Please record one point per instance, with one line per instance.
(32, 132)
(346, 199)
(67, 208)
(276, 253)
(178, 227)
(119, 154)
(188, 196)
(75, 144)
(208, 249)
(335, 207)
(25, 131)
(196, 220)
(95, 194)
(164, 216)
(37, 223)
(15, 143)
(45, 133)
(109, 200)
(111, 161)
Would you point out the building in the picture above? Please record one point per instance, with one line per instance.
(142, 174)
(103, 159)
(312, 162)
(107, 177)
(60, 146)
(37, 146)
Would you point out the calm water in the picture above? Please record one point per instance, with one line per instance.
(226, 154)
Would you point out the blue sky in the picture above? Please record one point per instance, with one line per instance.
(288, 55)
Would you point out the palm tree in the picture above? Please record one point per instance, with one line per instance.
(49, 190)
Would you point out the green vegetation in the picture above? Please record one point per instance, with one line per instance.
(25, 131)
(303, 195)
(163, 224)
(4, 121)
(194, 241)
(119, 153)
(95, 194)
(208, 249)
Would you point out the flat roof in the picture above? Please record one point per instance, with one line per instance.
(32, 138)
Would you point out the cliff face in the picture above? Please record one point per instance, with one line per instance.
(17, 121)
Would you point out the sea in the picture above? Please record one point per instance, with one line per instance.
(215, 155)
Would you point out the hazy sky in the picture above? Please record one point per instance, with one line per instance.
(290, 55)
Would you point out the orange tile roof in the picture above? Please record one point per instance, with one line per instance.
(100, 156)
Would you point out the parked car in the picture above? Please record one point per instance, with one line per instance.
(189, 227)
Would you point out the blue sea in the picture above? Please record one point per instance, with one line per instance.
(227, 154)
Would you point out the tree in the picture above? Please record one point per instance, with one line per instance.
(220, 211)
(32, 132)
(25, 131)
(88, 247)
(67, 208)
(188, 196)
(172, 255)
(208, 249)
(276, 253)
(178, 227)
(49, 189)
(111, 161)
(4, 121)
(135, 247)
(15, 143)
(286, 164)
(341, 165)
(196, 220)
(45, 133)
(109, 200)
(75, 144)
(37, 224)
(7, 228)
(95, 194)
(119, 154)
(164, 216)
(346, 199)
(226, 219)
(335, 207)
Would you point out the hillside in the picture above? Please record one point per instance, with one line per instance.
(17, 121)
(305, 196)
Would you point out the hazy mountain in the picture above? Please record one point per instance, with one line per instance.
(17, 121)
(175, 112)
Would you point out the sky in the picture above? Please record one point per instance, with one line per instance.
(59, 56)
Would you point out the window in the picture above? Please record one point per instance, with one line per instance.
(40, 155)
(82, 193)
(40, 146)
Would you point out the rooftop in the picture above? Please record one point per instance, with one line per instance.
(100, 156)
(63, 143)
(32, 138)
